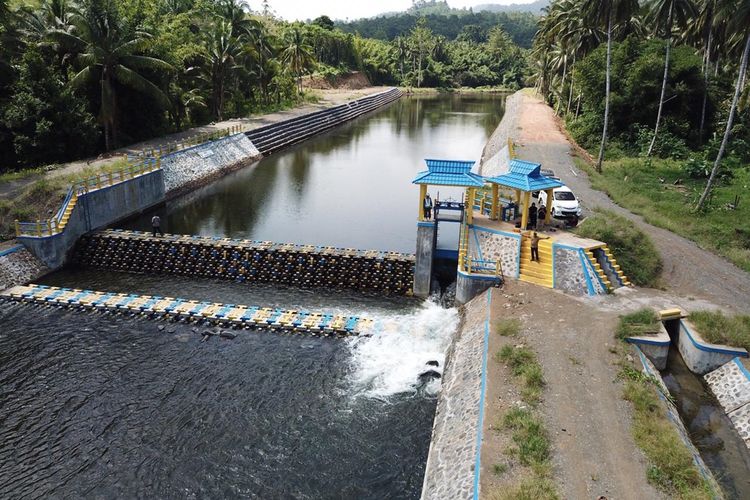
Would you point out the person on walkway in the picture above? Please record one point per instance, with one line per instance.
(541, 215)
(535, 246)
(427, 207)
(532, 216)
(156, 225)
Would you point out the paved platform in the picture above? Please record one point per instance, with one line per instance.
(241, 316)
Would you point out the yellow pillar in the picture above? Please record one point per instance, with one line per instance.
(548, 216)
(470, 207)
(495, 204)
(18, 228)
(518, 198)
(38, 228)
(525, 210)
(422, 194)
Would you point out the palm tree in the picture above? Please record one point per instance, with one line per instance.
(221, 53)
(402, 52)
(738, 14)
(608, 13)
(664, 13)
(297, 54)
(702, 30)
(107, 52)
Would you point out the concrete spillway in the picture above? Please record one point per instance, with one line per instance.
(169, 307)
(388, 273)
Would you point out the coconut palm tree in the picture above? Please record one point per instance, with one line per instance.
(664, 14)
(107, 51)
(608, 13)
(221, 53)
(737, 12)
(297, 54)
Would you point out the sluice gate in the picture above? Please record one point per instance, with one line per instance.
(388, 273)
(239, 316)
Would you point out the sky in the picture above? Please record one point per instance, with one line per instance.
(352, 9)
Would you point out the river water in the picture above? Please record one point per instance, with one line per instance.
(103, 406)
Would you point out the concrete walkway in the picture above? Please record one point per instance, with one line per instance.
(689, 270)
(328, 98)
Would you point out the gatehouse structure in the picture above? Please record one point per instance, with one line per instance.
(494, 242)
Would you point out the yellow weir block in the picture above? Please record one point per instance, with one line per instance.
(262, 315)
(338, 322)
(675, 313)
(236, 313)
(286, 318)
(211, 310)
(135, 304)
(162, 304)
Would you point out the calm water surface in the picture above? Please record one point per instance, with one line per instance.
(350, 187)
(104, 406)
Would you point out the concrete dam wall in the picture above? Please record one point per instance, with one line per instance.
(388, 273)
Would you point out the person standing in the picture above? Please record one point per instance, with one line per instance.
(535, 246)
(532, 216)
(156, 225)
(427, 207)
(541, 215)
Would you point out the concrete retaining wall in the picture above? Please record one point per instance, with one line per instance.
(655, 347)
(700, 356)
(730, 384)
(574, 273)
(249, 261)
(96, 209)
(453, 461)
(469, 285)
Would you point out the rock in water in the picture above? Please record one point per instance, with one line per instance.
(432, 363)
(425, 377)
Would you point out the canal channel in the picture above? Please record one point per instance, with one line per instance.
(99, 405)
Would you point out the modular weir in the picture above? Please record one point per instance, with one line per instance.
(110, 403)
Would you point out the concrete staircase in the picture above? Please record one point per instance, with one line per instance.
(67, 213)
(612, 276)
(598, 268)
(539, 273)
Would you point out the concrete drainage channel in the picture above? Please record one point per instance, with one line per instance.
(707, 394)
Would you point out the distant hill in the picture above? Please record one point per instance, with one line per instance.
(521, 26)
(533, 7)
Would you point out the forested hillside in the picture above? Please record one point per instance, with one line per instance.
(78, 77)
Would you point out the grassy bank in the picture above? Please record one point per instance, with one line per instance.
(662, 192)
(717, 328)
(530, 451)
(42, 199)
(671, 467)
(631, 247)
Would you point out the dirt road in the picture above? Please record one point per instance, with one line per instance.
(586, 417)
(689, 270)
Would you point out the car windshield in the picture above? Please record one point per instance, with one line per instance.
(564, 195)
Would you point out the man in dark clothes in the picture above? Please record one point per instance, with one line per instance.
(156, 225)
(532, 216)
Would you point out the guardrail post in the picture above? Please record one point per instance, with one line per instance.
(38, 228)
(18, 228)
(49, 227)
(111, 179)
(158, 163)
(468, 258)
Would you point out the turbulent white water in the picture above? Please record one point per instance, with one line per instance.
(390, 361)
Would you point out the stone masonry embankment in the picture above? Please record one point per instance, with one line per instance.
(249, 261)
(730, 384)
(452, 464)
(509, 128)
(18, 265)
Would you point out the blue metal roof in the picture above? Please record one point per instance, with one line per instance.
(526, 176)
(449, 173)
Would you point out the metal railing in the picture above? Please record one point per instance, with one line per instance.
(56, 224)
(468, 264)
(189, 142)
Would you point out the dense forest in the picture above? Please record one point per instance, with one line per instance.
(447, 22)
(651, 78)
(78, 77)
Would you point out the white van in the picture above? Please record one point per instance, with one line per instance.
(564, 204)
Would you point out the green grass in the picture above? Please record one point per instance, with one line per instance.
(499, 469)
(523, 363)
(508, 327)
(717, 328)
(671, 464)
(529, 436)
(530, 488)
(640, 322)
(631, 247)
(20, 174)
(647, 188)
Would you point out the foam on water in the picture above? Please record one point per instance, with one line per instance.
(390, 361)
